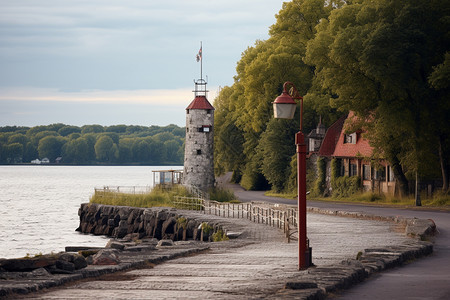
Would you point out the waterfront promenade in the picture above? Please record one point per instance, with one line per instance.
(259, 264)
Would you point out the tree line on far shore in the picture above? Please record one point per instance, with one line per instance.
(93, 144)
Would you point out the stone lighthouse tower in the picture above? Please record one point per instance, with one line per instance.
(199, 149)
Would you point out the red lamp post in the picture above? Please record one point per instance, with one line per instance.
(284, 108)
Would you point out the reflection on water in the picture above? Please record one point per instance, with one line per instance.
(39, 204)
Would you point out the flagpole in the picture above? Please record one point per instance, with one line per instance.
(201, 61)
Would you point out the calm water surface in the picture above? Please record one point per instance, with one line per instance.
(39, 204)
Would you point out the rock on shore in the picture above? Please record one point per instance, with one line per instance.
(158, 222)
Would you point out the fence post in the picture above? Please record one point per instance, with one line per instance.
(270, 217)
(258, 214)
(253, 213)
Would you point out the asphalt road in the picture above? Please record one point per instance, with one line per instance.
(427, 278)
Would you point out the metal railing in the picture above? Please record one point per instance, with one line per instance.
(282, 217)
(123, 190)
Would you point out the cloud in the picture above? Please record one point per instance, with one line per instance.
(115, 51)
(158, 97)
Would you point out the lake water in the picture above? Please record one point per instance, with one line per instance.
(39, 204)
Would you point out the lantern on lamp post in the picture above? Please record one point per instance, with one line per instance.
(284, 108)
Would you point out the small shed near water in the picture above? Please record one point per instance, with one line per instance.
(167, 177)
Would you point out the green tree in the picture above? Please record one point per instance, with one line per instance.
(14, 153)
(30, 152)
(245, 109)
(91, 139)
(228, 138)
(50, 147)
(76, 151)
(92, 129)
(35, 139)
(117, 128)
(106, 150)
(67, 130)
(439, 79)
(18, 138)
(376, 58)
(276, 155)
(125, 150)
(171, 148)
(164, 136)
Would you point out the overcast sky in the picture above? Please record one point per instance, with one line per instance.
(113, 62)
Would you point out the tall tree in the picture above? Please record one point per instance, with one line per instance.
(106, 150)
(50, 147)
(261, 72)
(376, 57)
(276, 156)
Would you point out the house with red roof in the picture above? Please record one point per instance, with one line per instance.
(353, 153)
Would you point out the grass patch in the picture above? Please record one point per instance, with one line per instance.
(291, 196)
(219, 236)
(156, 197)
(220, 194)
(438, 200)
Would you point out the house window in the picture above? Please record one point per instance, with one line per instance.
(380, 174)
(350, 138)
(208, 111)
(204, 128)
(366, 172)
(199, 152)
(352, 170)
(187, 111)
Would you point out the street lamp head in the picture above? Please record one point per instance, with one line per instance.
(284, 106)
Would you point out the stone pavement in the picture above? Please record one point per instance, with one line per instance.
(260, 264)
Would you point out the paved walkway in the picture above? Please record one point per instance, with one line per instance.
(257, 265)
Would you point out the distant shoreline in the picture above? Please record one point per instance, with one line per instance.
(96, 164)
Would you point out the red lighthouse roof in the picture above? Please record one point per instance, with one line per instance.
(200, 102)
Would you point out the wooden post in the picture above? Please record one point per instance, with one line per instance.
(258, 214)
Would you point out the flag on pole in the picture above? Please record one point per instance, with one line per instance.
(199, 54)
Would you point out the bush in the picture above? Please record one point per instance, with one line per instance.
(335, 167)
(221, 194)
(219, 236)
(252, 179)
(346, 186)
(440, 199)
(320, 182)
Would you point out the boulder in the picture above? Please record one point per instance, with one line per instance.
(168, 227)
(106, 257)
(190, 228)
(79, 262)
(27, 264)
(165, 243)
(115, 245)
(65, 265)
(233, 234)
